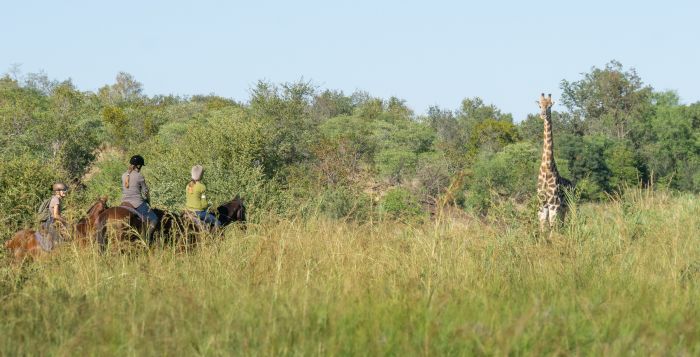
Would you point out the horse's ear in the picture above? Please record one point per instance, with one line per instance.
(104, 198)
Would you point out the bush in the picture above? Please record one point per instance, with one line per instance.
(345, 203)
(26, 182)
(105, 178)
(399, 203)
(508, 175)
(229, 145)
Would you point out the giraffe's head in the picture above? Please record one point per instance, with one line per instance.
(545, 104)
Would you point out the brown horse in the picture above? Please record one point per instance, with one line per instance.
(124, 221)
(86, 225)
(129, 225)
(25, 242)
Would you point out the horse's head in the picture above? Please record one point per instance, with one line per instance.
(232, 211)
(98, 207)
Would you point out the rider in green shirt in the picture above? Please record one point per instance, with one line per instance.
(196, 199)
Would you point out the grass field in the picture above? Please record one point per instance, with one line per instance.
(621, 277)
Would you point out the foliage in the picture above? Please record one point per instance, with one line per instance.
(506, 175)
(490, 136)
(26, 182)
(330, 104)
(344, 203)
(611, 100)
(229, 146)
(672, 152)
(294, 150)
(400, 203)
(284, 113)
(584, 159)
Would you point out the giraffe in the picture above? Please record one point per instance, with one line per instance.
(550, 186)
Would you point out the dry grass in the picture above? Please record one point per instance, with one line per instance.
(620, 278)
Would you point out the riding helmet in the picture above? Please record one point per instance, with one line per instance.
(137, 160)
(59, 186)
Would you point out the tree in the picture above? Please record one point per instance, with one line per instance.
(117, 125)
(125, 89)
(474, 111)
(583, 159)
(286, 112)
(458, 133)
(531, 129)
(491, 136)
(330, 104)
(672, 148)
(611, 101)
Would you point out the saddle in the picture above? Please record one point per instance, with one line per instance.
(44, 240)
(127, 205)
(189, 214)
(133, 210)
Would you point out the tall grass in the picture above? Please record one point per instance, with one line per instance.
(619, 278)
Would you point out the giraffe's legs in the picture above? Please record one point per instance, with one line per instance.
(543, 216)
(553, 211)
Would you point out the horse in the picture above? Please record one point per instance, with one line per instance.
(233, 211)
(128, 224)
(27, 241)
(125, 221)
(188, 227)
(86, 225)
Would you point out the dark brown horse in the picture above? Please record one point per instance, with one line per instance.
(185, 229)
(25, 242)
(232, 212)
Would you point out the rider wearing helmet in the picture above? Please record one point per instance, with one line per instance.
(55, 221)
(135, 192)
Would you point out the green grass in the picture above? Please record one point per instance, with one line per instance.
(620, 278)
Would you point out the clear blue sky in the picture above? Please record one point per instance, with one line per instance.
(426, 52)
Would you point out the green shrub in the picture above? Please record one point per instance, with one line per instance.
(25, 182)
(508, 175)
(345, 203)
(229, 145)
(105, 179)
(399, 203)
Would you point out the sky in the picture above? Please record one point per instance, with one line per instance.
(428, 53)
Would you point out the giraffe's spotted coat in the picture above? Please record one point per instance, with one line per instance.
(549, 189)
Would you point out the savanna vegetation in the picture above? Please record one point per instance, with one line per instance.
(373, 230)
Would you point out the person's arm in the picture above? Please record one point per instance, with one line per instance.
(57, 215)
(145, 192)
(203, 197)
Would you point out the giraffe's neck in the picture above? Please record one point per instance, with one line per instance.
(548, 146)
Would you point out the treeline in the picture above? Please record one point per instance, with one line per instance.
(293, 149)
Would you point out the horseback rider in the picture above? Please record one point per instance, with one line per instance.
(135, 193)
(196, 199)
(55, 222)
